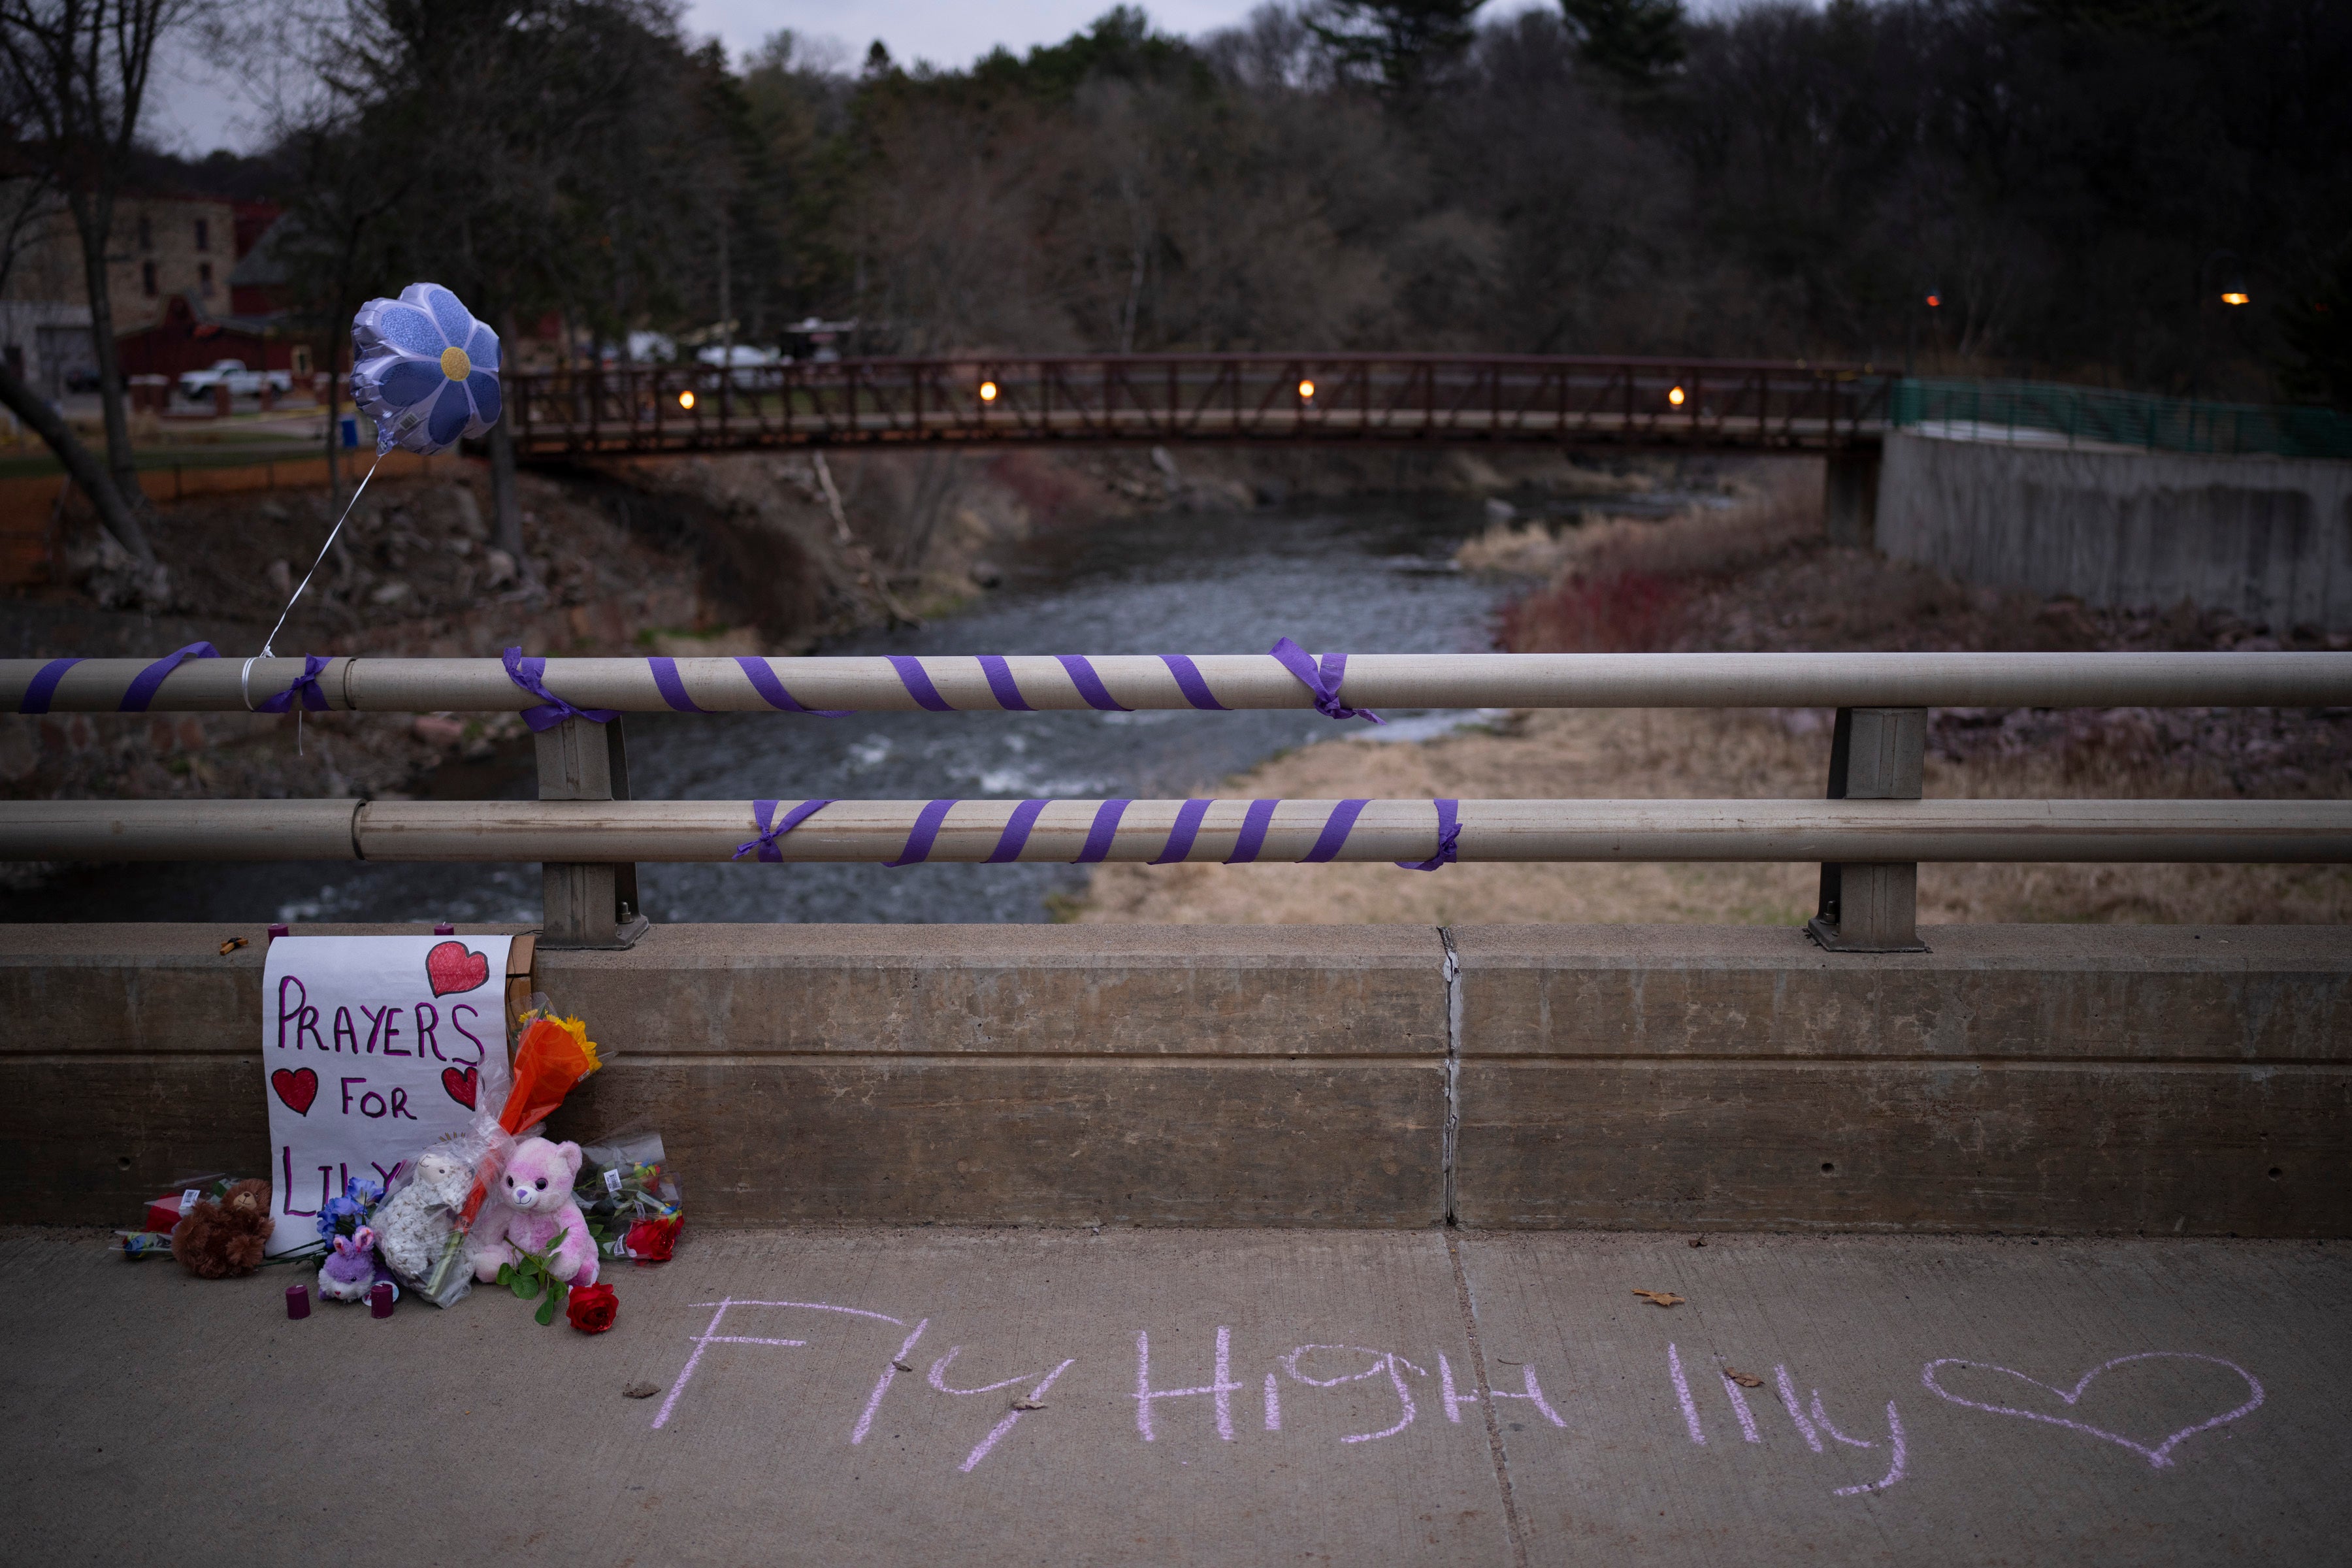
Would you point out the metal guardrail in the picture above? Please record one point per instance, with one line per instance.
(1868, 836)
(1016, 682)
(1059, 832)
(1233, 399)
(2038, 412)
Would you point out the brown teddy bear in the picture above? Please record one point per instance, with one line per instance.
(216, 1240)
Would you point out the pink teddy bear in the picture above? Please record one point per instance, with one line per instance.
(532, 1203)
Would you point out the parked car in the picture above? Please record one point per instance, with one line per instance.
(746, 367)
(196, 385)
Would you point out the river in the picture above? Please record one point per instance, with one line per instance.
(1362, 576)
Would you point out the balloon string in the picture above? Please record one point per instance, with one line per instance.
(244, 681)
(268, 642)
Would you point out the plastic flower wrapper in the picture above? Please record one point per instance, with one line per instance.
(632, 1202)
(424, 370)
(416, 1223)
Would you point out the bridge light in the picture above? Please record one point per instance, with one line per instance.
(988, 392)
(2237, 297)
(686, 399)
(1675, 397)
(1307, 392)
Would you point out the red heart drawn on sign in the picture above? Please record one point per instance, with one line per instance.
(451, 968)
(462, 1085)
(297, 1089)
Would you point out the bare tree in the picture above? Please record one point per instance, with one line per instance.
(78, 72)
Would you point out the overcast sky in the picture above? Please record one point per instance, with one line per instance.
(199, 111)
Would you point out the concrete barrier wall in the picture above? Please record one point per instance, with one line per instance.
(2065, 1080)
(2267, 539)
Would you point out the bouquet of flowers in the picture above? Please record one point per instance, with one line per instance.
(632, 1202)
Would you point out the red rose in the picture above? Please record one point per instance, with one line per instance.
(652, 1240)
(593, 1308)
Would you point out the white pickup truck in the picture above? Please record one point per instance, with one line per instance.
(196, 385)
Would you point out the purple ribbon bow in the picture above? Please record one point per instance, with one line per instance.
(306, 684)
(762, 813)
(1449, 830)
(1324, 683)
(530, 674)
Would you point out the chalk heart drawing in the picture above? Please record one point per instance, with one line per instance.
(463, 1086)
(451, 968)
(297, 1089)
(2160, 1456)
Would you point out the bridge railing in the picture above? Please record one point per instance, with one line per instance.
(1868, 836)
(1370, 399)
(2038, 412)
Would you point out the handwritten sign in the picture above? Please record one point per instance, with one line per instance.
(372, 1048)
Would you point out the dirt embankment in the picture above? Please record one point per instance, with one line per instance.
(1757, 574)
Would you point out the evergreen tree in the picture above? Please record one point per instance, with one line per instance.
(1403, 43)
(1638, 40)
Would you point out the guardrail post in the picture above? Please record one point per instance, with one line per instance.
(1875, 753)
(588, 904)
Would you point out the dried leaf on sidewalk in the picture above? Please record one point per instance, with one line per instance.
(1660, 1297)
(1743, 1379)
(641, 1391)
(232, 944)
(902, 1366)
(1698, 1241)
(1028, 1404)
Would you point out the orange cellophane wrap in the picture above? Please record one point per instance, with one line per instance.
(553, 1055)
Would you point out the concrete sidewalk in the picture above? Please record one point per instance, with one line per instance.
(1229, 1396)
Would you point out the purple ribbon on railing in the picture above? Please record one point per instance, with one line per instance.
(1105, 828)
(1188, 680)
(1254, 822)
(1324, 683)
(530, 674)
(918, 682)
(1000, 684)
(305, 684)
(673, 689)
(1336, 828)
(772, 690)
(1016, 833)
(1090, 685)
(763, 812)
(1449, 829)
(1181, 836)
(142, 688)
(44, 685)
(926, 832)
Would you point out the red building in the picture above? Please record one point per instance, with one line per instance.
(190, 338)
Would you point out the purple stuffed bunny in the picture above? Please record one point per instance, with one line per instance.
(348, 1274)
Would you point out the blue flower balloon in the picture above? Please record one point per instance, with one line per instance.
(424, 370)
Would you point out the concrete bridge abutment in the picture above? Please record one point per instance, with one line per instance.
(2064, 1080)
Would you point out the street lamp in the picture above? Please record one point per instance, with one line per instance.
(988, 392)
(1935, 299)
(2233, 292)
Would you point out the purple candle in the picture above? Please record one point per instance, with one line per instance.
(298, 1301)
(380, 1299)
